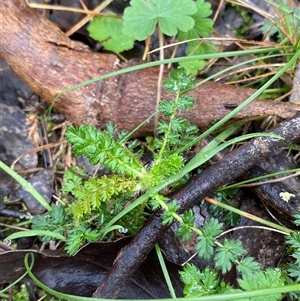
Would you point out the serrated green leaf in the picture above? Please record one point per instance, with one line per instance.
(296, 255)
(203, 25)
(199, 283)
(58, 214)
(294, 271)
(167, 217)
(108, 31)
(190, 274)
(54, 221)
(167, 108)
(72, 179)
(186, 102)
(212, 228)
(179, 81)
(40, 222)
(111, 128)
(205, 247)
(141, 17)
(91, 235)
(230, 218)
(184, 232)
(247, 265)
(210, 280)
(99, 147)
(203, 28)
(228, 253)
(75, 240)
(210, 231)
(261, 280)
(294, 239)
(163, 169)
(189, 218)
(297, 219)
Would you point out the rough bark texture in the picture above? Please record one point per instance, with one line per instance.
(47, 61)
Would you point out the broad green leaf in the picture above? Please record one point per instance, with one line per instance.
(141, 17)
(203, 24)
(203, 28)
(108, 31)
(192, 67)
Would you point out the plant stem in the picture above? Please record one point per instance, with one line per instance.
(166, 136)
(25, 185)
(248, 215)
(246, 102)
(160, 75)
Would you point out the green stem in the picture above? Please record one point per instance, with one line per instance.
(166, 136)
(248, 215)
(25, 185)
(160, 75)
(223, 297)
(245, 103)
(165, 271)
(166, 62)
(270, 175)
(187, 168)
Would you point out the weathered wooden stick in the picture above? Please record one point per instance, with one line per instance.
(48, 62)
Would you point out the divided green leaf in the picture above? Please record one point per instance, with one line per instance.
(179, 81)
(53, 221)
(226, 197)
(108, 31)
(99, 147)
(294, 241)
(210, 231)
(294, 271)
(185, 229)
(199, 283)
(227, 254)
(203, 28)
(168, 216)
(247, 265)
(141, 17)
(261, 280)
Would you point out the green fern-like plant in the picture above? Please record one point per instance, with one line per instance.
(101, 148)
(201, 283)
(207, 282)
(129, 175)
(97, 200)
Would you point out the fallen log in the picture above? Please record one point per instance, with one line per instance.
(48, 62)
